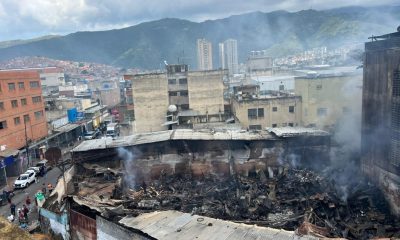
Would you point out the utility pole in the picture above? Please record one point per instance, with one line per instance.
(26, 145)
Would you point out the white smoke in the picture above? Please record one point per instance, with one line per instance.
(128, 158)
(293, 160)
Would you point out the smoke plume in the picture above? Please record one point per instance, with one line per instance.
(128, 159)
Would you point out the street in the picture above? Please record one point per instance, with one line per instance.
(21, 194)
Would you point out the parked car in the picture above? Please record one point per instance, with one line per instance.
(35, 169)
(32, 171)
(25, 179)
(43, 164)
(89, 135)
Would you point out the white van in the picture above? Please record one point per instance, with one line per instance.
(112, 130)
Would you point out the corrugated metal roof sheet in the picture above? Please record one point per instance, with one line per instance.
(174, 225)
(190, 134)
(297, 131)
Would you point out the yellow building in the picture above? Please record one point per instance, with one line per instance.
(196, 97)
(256, 112)
(327, 97)
(150, 94)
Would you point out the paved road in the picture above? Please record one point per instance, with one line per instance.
(21, 194)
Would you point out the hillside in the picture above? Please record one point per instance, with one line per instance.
(12, 43)
(148, 44)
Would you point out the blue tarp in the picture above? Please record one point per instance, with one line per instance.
(9, 160)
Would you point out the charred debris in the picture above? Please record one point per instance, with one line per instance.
(283, 197)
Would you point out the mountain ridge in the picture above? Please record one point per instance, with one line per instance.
(146, 45)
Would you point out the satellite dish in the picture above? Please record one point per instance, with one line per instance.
(172, 108)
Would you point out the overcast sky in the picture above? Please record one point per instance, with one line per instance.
(21, 19)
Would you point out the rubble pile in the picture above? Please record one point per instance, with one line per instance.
(292, 199)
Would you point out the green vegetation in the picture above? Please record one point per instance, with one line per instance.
(11, 43)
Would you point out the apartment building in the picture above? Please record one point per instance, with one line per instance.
(204, 54)
(22, 115)
(258, 112)
(51, 78)
(259, 64)
(229, 56)
(329, 95)
(177, 98)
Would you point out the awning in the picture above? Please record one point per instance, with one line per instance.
(169, 123)
(188, 113)
(9, 152)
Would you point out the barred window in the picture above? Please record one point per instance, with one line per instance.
(14, 103)
(252, 113)
(34, 84)
(38, 115)
(37, 99)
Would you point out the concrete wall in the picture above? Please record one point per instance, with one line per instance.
(54, 224)
(206, 92)
(282, 117)
(110, 97)
(336, 94)
(107, 230)
(13, 136)
(150, 94)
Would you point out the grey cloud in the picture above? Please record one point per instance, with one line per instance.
(27, 18)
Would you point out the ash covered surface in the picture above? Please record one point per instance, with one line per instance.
(292, 199)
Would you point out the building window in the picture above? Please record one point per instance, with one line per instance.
(1, 105)
(38, 115)
(274, 125)
(290, 124)
(321, 112)
(252, 113)
(11, 86)
(17, 121)
(172, 81)
(14, 103)
(319, 86)
(281, 87)
(34, 84)
(274, 109)
(43, 78)
(37, 99)
(26, 118)
(21, 85)
(346, 110)
(23, 102)
(284, 124)
(261, 112)
(172, 94)
(3, 125)
(254, 127)
(184, 93)
(291, 109)
(185, 107)
(183, 81)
